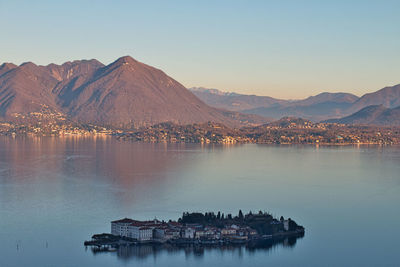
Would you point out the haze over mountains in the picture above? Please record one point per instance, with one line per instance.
(124, 93)
(321, 107)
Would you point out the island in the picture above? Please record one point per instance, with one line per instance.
(198, 229)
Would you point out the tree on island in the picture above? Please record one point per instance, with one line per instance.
(240, 215)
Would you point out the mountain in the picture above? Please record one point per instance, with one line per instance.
(124, 93)
(233, 101)
(327, 98)
(314, 109)
(372, 115)
(29, 88)
(388, 97)
(319, 107)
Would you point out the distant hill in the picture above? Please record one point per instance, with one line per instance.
(233, 101)
(327, 98)
(315, 112)
(372, 115)
(316, 108)
(124, 93)
(388, 97)
(321, 107)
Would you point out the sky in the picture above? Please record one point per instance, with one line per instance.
(285, 49)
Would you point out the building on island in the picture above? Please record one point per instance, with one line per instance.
(160, 231)
(286, 225)
(188, 232)
(120, 227)
(228, 231)
(140, 230)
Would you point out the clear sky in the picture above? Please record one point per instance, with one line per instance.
(286, 49)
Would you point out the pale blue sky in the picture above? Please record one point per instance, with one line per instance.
(287, 49)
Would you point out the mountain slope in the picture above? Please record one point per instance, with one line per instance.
(388, 96)
(5, 67)
(124, 93)
(372, 115)
(25, 88)
(130, 92)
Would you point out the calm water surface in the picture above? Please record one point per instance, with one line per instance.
(56, 192)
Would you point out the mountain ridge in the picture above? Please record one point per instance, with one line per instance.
(320, 107)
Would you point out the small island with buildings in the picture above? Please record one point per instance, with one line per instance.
(198, 229)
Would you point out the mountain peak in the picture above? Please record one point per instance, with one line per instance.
(28, 64)
(7, 65)
(126, 60)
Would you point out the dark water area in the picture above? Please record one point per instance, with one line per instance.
(57, 192)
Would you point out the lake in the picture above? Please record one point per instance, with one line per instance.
(55, 193)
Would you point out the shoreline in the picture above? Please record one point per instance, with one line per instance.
(20, 136)
(106, 241)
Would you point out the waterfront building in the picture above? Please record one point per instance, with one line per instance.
(228, 231)
(140, 232)
(120, 227)
(212, 233)
(155, 230)
(159, 232)
(286, 225)
(199, 234)
(188, 232)
(172, 234)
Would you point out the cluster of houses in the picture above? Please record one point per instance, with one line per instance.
(156, 230)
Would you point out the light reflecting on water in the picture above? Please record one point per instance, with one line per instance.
(56, 192)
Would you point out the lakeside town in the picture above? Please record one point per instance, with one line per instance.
(48, 122)
(284, 131)
(198, 229)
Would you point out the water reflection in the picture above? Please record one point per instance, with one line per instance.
(142, 252)
(58, 191)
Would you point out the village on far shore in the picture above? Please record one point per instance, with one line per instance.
(198, 229)
(287, 130)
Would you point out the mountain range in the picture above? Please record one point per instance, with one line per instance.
(125, 93)
(321, 107)
(131, 94)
